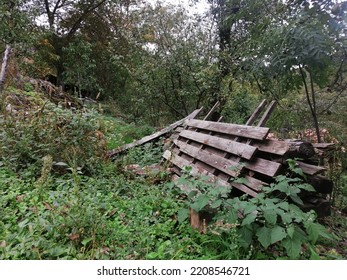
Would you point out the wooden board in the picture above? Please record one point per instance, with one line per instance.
(249, 132)
(310, 169)
(276, 147)
(263, 166)
(154, 136)
(239, 149)
(225, 165)
(181, 163)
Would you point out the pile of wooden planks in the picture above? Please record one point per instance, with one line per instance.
(224, 151)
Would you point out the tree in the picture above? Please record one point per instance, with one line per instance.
(64, 20)
(172, 67)
(285, 46)
(307, 52)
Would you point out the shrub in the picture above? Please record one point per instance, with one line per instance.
(72, 139)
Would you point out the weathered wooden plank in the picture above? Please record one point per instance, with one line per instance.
(254, 183)
(256, 113)
(244, 189)
(251, 132)
(214, 108)
(310, 169)
(263, 166)
(181, 163)
(323, 145)
(195, 170)
(154, 136)
(276, 147)
(224, 165)
(267, 114)
(239, 149)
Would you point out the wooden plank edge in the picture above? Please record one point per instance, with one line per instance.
(153, 136)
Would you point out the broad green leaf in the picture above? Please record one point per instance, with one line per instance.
(249, 208)
(296, 199)
(292, 246)
(216, 203)
(246, 236)
(283, 205)
(307, 187)
(200, 203)
(315, 230)
(277, 234)
(314, 255)
(250, 218)
(286, 218)
(290, 231)
(264, 236)
(192, 194)
(270, 216)
(241, 180)
(182, 215)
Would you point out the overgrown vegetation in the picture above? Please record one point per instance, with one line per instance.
(57, 204)
(146, 65)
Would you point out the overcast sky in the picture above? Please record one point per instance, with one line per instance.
(200, 7)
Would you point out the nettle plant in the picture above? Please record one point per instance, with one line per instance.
(272, 224)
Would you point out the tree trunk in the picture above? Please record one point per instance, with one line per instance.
(4, 66)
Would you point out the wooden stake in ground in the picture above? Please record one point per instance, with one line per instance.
(4, 66)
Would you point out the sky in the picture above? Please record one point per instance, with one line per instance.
(200, 7)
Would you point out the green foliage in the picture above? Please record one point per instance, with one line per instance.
(105, 217)
(80, 67)
(69, 137)
(270, 222)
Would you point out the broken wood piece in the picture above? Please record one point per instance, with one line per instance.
(154, 136)
(198, 172)
(310, 169)
(256, 113)
(263, 166)
(214, 108)
(267, 114)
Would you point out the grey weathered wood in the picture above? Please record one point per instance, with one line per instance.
(275, 147)
(154, 136)
(214, 108)
(224, 165)
(195, 171)
(310, 169)
(239, 149)
(263, 166)
(323, 145)
(256, 113)
(287, 148)
(267, 114)
(249, 132)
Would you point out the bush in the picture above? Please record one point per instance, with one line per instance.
(72, 139)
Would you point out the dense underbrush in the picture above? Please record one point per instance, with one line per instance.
(61, 198)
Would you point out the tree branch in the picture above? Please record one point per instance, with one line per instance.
(78, 22)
